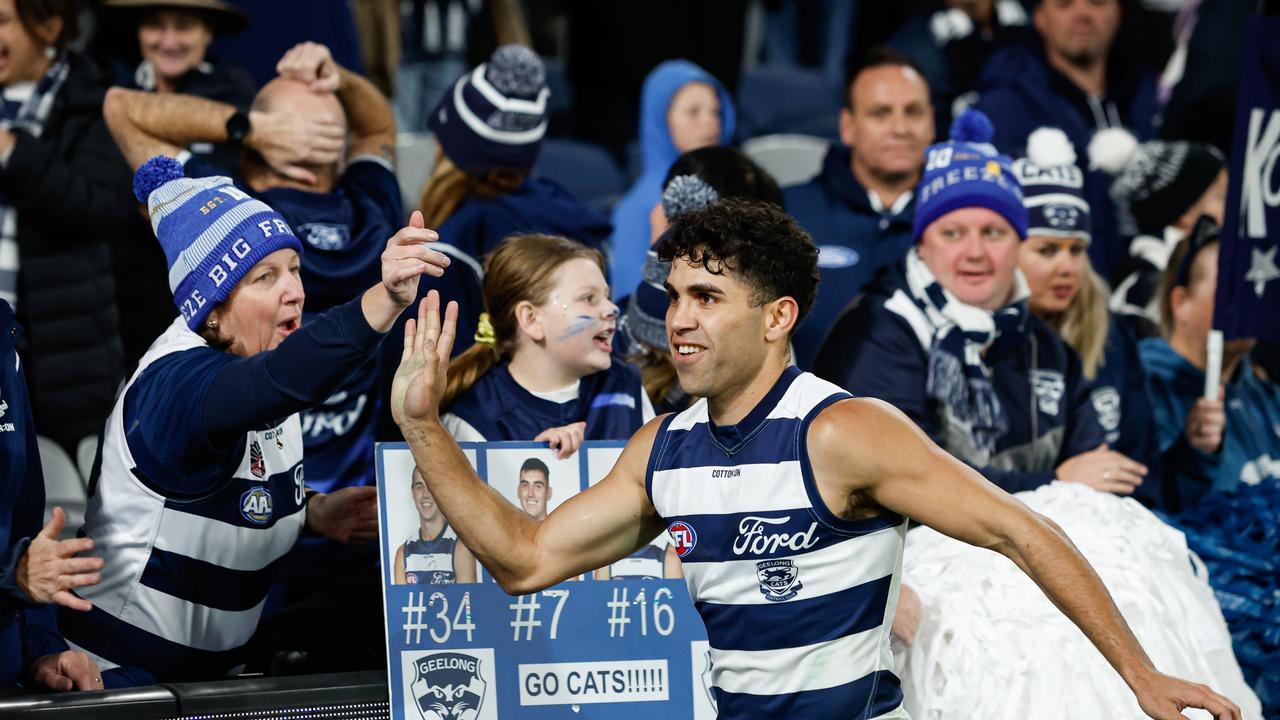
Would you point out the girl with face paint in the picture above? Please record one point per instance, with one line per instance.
(542, 366)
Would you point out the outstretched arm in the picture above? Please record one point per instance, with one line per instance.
(609, 521)
(866, 446)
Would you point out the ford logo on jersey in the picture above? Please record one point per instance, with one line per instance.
(683, 536)
(255, 505)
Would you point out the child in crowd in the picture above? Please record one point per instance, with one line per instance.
(682, 108)
(542, 366)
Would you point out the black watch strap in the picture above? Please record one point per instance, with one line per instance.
(237, 128)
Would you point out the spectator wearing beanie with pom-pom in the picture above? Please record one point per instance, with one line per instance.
(1160, 189)
(946, 335)
(1071, 299)
(201, 486)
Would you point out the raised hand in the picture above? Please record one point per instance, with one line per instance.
(1206, 423)
(565, 440)
(312, 64)
(349, 515)
(406, 257)
(48, 570)
(292, 142)
(423, 373)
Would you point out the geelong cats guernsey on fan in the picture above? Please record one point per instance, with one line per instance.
(430, 562)
(184, 578)
(797, 602)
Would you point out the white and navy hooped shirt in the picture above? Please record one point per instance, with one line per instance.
(797, 601)
(185, 578)
(430, 562)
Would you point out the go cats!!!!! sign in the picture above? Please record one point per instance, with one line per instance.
(619, 643)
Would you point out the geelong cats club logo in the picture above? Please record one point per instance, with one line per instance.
(448, 686)
(779, 579)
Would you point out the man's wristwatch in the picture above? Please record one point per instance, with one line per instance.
(237, 128)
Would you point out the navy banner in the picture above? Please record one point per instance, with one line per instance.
(620, 643)
(1247, 263)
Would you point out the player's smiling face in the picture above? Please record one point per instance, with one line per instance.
(715, 328)
(533, 493)
(423, 500)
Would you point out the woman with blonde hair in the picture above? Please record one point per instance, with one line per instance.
(542, 366)
(1071, 298)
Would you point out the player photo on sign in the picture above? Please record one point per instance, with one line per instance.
(428, 551)
(532, 478)
(658, 559)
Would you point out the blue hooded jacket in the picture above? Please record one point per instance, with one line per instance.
(1250, 451)
(631, 230)
(1022, 92)
(873, 351)
(854, 241)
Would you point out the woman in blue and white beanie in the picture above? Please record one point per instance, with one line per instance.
(1072, 299)
(201, 487)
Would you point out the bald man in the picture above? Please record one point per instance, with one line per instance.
(318, 145)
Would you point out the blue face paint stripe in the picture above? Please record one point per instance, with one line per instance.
(581, 324)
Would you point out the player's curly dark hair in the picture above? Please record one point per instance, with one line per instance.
(756, 241)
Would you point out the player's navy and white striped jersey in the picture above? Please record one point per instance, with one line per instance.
(430, 562)
(797, 601)
(185, 578)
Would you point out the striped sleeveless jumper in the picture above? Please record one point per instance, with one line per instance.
(185, 578)
(797, 602)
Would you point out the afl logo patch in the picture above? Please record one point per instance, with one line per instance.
(255, 505)
(684, 537)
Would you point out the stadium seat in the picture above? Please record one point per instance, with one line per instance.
(63, 486)
(85, 454)
(776, 99)
(587, 171)
(790, 159)
(415, 158)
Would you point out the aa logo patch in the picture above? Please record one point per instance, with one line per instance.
(255, 505)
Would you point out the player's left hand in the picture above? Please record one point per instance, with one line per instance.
(1164, 698)
(67, 670)
(565, 440)
(349, 515)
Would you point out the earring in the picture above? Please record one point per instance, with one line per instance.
(211, 324)
(51, 52)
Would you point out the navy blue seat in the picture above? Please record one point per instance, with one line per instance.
(587, 171)
(777, 99)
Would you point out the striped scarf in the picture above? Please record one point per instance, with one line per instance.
(28, 113)
(959, 379)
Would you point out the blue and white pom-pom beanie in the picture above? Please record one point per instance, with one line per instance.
(496, 114)
(212, 233)
(1053, 187)
(967, 171)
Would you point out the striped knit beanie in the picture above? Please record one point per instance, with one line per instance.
(212, 233)
(1053, 187)
(496, 114)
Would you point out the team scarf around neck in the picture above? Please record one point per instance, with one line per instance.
(29, 114)
(959, 379)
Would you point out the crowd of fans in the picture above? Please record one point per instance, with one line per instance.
(1055, 331)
